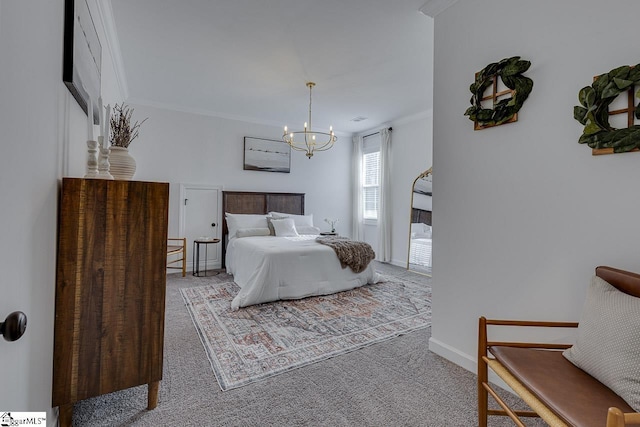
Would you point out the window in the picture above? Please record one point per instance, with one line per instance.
(371, 176)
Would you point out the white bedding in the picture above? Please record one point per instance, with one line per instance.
(269, 268)
(420, 251)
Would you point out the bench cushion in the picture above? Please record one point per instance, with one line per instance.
(608, 342)
(575, 396)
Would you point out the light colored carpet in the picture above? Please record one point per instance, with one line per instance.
(398, 382)
(264, 340)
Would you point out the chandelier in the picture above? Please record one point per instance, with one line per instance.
(308, 140)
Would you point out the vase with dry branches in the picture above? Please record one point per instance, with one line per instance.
(123, 165)
(122, 131)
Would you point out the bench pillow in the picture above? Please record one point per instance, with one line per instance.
(608, 341)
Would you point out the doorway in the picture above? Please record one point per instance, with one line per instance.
(200, 219)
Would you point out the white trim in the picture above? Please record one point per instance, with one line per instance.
(209, 113)
(464, 360)
(453, 354)
(433, 8)
(402, 264)
(422, 115)
(113, 43)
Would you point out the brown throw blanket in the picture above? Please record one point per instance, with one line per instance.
(356, 255)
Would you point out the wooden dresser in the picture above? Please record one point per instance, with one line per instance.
(110, 289)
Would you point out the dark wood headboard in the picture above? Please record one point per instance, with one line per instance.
(252, 202)
(419, 215)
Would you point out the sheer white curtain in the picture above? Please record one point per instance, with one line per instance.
(357, 225)
(384, 213)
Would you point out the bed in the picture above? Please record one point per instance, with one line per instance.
(420, 248)
(270, 268)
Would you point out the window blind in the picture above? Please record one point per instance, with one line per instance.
(371, 176)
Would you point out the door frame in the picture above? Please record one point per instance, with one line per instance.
(181, 217)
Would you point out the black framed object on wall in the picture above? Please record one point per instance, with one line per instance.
(82, 60)
(267, 155)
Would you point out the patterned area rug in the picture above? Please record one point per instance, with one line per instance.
(264, 340)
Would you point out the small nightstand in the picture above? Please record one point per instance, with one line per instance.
(195, 254)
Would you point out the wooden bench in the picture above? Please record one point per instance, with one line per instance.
(555, 389)
(177, 253)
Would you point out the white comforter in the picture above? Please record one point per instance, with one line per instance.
(420, 252)
(269, 268)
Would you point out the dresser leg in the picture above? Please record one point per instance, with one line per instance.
(65, 415)
(153, 394)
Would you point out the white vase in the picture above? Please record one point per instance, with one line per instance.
(122, 165)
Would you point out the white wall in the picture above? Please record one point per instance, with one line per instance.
(522, 212)
(43, 136)
(178, 147)
(412, 154)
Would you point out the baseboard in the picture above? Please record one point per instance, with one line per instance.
(464, 360)
(453, 354)
(398, 263)
(189, 268)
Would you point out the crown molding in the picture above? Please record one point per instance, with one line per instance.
(433, 8)
(209, 113)
(422, 115)
(113, 43)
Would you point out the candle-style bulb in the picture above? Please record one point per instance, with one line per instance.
(285, 129)
(305, 125)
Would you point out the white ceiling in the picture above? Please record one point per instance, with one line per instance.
(250, 59)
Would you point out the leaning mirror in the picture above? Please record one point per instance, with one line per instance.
(419, 259)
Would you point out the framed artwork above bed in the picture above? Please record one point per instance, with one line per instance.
(267, 155)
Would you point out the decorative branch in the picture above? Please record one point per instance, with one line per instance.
(122, 132)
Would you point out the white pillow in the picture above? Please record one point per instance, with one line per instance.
(305, 229)
(284, 227)
(299, 220)
(248, 232)
(420, 230)
(237, 221)
(608, 341)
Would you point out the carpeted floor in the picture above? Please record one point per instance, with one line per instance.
(394, 383)
(263, 340)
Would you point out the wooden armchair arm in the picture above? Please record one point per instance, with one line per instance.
(483, 342)
(617, 418)
(178, 240)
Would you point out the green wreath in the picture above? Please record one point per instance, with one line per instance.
(594, 112)
(510, 72)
